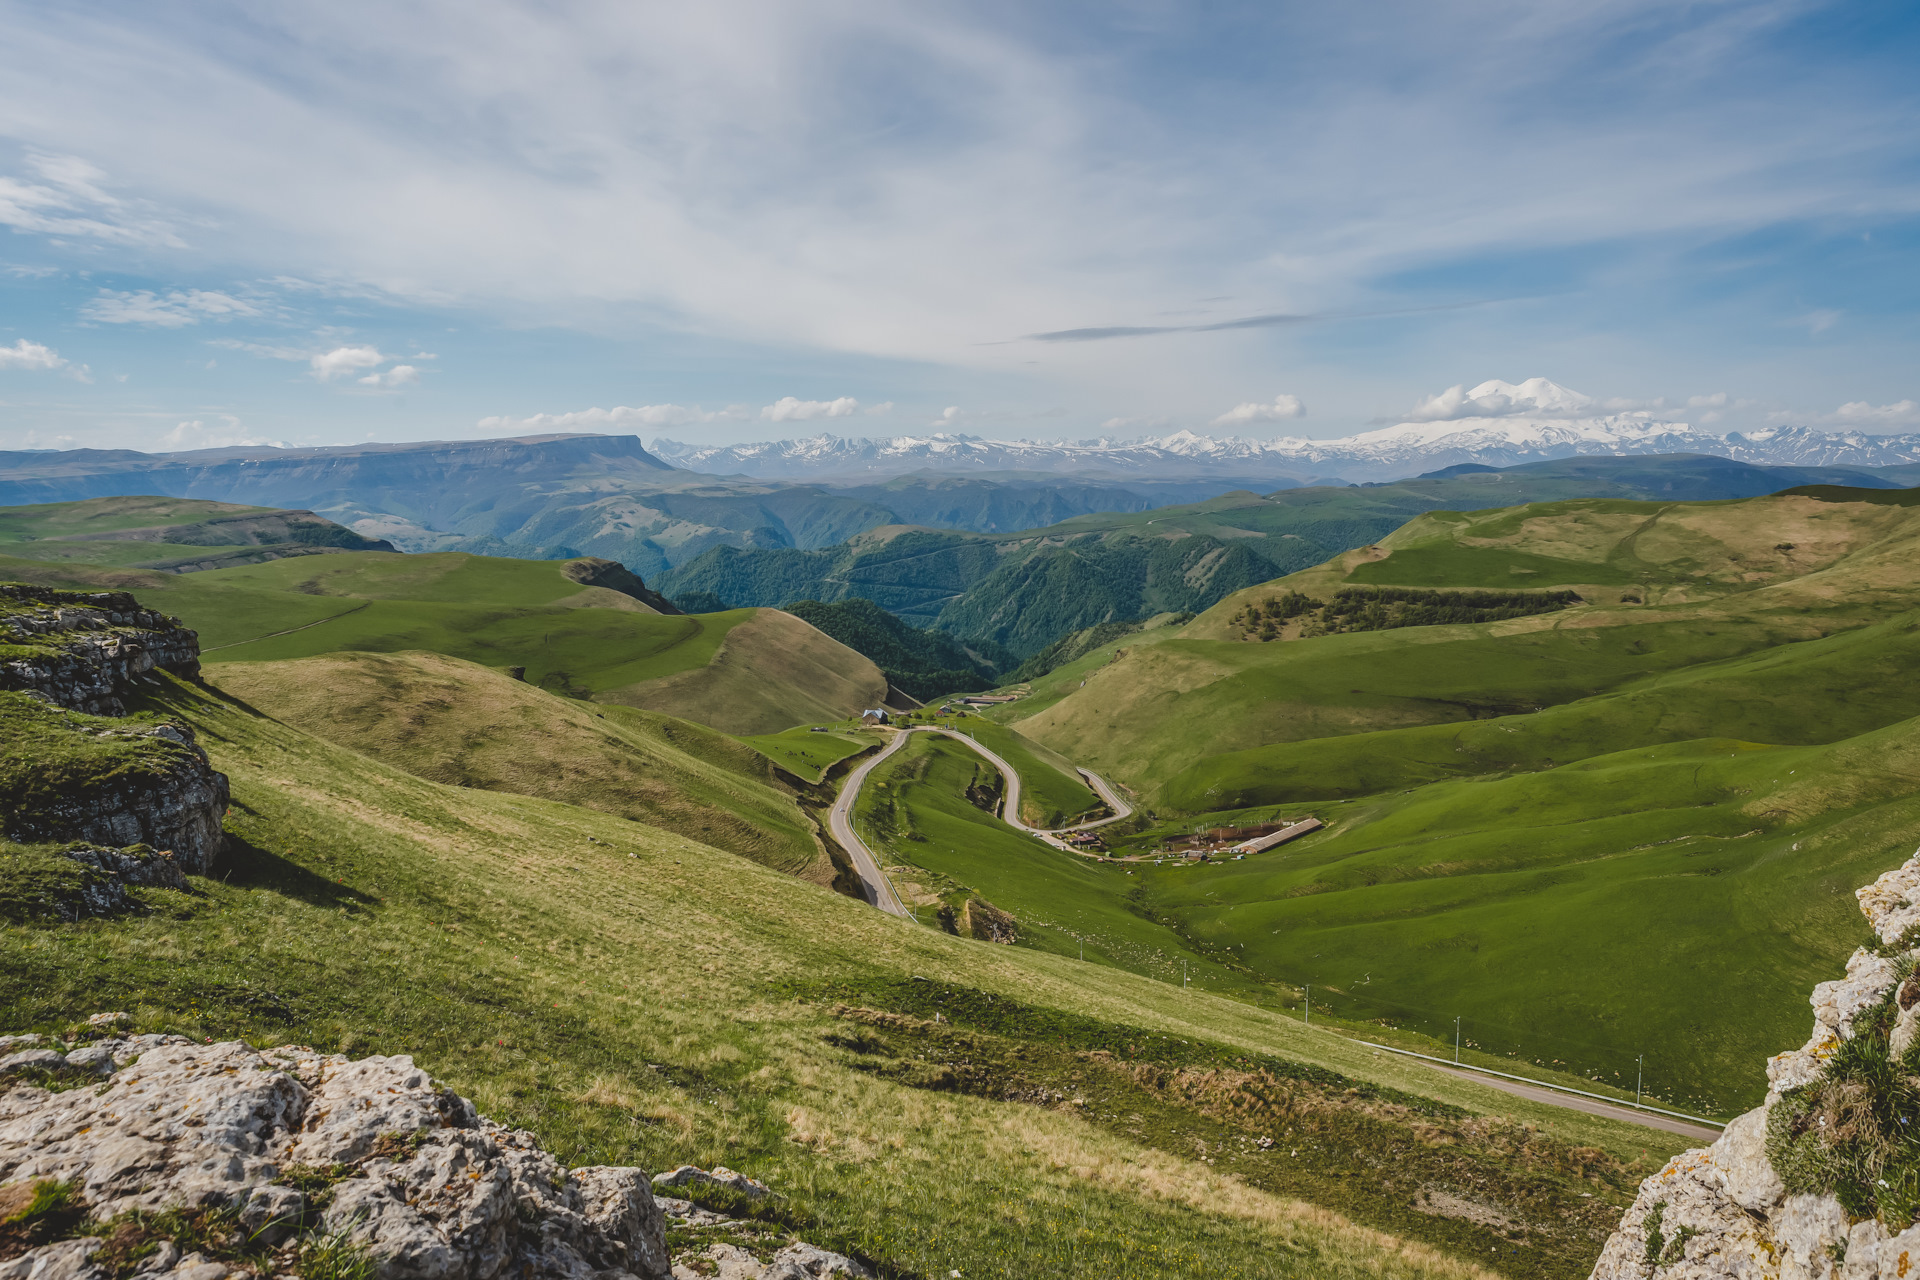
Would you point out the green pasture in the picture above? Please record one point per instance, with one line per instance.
(1051, 792)
(1678, 900)
(56, 520)
(637, 997)
(808, 754)
(914, 810)
(1809, 692)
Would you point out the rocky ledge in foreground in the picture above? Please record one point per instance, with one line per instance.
(1822, 1180)
(83, 649)
(157, 1158)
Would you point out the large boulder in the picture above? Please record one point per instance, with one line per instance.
(371, 1151)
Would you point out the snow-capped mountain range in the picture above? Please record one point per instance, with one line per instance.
(1497, 424)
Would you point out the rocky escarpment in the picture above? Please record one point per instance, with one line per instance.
(84, 650)
(1822, 1181)
(114, 781)
(154, 1157)
(73, 767)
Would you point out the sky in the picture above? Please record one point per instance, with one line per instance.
(748, 219)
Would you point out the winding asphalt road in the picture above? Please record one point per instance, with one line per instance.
(840, 822)
(879, 889)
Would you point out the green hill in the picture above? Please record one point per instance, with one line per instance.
(744, 671)
(178, 535)
(1537, 820)
(470, 726)
(639, 996)
(1027, 590)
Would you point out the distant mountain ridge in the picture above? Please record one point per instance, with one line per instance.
(1496, 424)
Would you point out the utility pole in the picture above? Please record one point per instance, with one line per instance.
(1456, 1041)
(1639, 1074)
(1183, 973)
(1309, 1004)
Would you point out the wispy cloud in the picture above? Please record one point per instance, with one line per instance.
(173, 310)
(30, 355)
(65, 196)
(343, 361)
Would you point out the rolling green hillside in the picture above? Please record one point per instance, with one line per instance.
(1027, 590)
(637, 996)
(1677, 900)
(744, 671)
(470, 726)
(1537, 821)
(178, 535)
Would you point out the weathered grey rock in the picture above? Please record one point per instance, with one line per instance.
(31, 1059)
(814, 1262)
(174, 801)
(1724, 1212)
(92, 1057)
(1891, 904)
(96, 644)
(61, 1260)
(434, 1190)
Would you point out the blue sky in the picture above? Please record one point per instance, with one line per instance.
(326, 224)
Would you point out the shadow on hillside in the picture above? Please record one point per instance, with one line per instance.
(246, 865)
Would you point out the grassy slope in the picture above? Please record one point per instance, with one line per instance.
(744, 671)
(915, 812)
(1485, 864)
(1814, 691)
(1715, 583)
(807, 754)
(454, 722)
(616, 997)
(1559, 910)
(108, 515)
(1051, 792)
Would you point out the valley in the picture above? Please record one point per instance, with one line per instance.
(613, 866)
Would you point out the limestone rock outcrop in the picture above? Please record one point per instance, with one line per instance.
(92, 645)
(125, 783)
(68, 777)
(1727, 1211)
(307, 1145)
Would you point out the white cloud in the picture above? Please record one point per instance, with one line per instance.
(789, 409)
(1860, 413)
(600, 420)
(400, 375)
(228, 434)
(876, 410)
(342, 361)
(177, 309)
(1282, 408)
(30, 355)
(1534, 398)
(69, 200)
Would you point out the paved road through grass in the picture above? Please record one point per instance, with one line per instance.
(840, 822)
